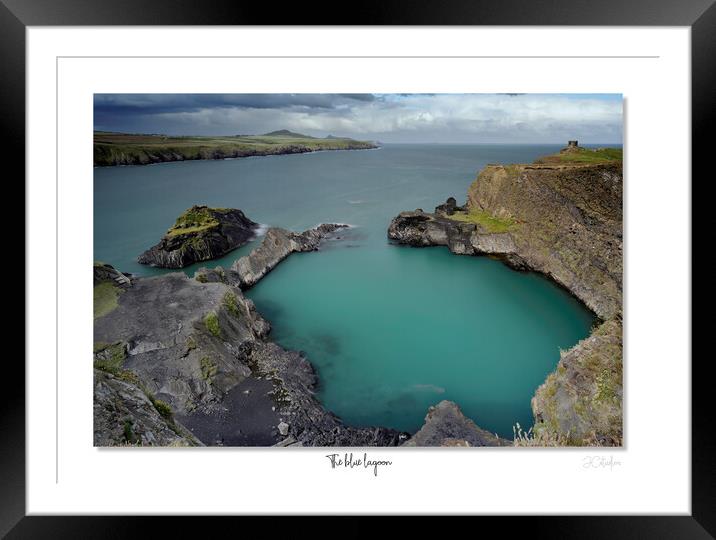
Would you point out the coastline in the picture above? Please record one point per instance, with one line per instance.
(564, 222)
(295, 373)
(305, 152)
(122, 149)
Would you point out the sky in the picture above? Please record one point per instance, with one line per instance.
(388, 118)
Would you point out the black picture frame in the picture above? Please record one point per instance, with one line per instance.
(699, 15)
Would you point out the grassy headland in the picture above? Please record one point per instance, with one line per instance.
(486, 220)
(584, 155)
(137, 149)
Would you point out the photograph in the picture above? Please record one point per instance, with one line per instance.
(434, 261)
(358, 270)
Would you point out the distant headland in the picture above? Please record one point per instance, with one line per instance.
(112, 148)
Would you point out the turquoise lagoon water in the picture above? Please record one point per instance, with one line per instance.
(390, 330)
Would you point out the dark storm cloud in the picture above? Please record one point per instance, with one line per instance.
(146, 104)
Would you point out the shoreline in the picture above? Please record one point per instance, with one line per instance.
(580, 403)
(232, 158)
(243, 331)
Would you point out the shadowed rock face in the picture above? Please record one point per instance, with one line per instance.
(200, 234)
(446, 425)
(124, 415)
(566, 222)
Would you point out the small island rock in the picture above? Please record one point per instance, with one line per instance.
(200, 234)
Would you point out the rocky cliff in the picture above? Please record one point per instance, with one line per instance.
(581, 401)
(200, 234)
(124, 414)
(199, 353)
(561, 216)
(567, 223)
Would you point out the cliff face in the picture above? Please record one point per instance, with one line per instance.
(567, 224)
(561, 216)
(581, 401)
(200, 234)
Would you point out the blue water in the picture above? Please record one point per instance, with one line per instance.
(391, 330)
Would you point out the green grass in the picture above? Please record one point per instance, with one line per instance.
(109, 357)
(231, 304)
(106, 296)
(211, 321)
(209, 368)
(486, 220)
(586, 155)
(162, 408)
(137, 149)
(194, 220)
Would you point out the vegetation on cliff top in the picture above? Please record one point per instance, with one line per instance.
(137, 149)
(197, 218)
(484, 219)
(584, 155)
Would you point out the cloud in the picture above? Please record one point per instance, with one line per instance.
(164, 103)
(388, 117)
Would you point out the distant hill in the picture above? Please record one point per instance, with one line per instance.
(287, 133)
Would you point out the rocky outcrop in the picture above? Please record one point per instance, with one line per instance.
(449, 207)
(305, 419)
(275, 247)
(103, 272)
(199, 347)
(124, 415)
(446, 425)
(200, 234)
(421, 229)
(173, 329)
(563, 219)
(582, 399)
